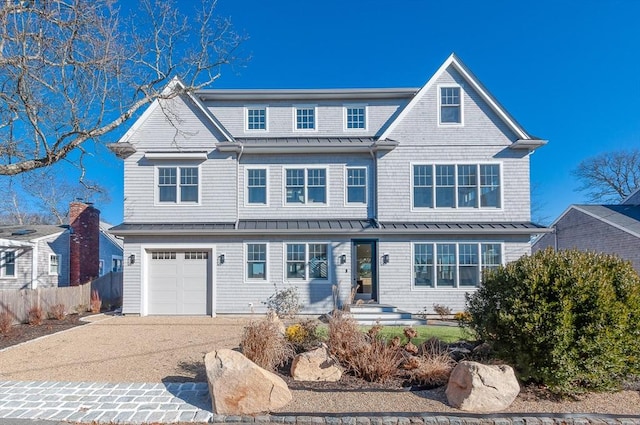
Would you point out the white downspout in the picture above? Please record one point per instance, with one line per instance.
(239, 155)
(34, 266)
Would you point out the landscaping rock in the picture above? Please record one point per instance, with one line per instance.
(316, 365)
(474, 387)
(240, 387)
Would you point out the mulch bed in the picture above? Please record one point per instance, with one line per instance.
(24, 332)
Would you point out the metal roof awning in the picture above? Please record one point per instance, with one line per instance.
(307, 145)
(326, 226)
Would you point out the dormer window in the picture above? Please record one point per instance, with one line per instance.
(305, 118)
(356, 117)
(256, 118)
(450, 106)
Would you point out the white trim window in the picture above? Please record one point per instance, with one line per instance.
(450, 107)
(456, 186)
(305, 118)
(453, 265)
(307, 261)
(257, 186)
(170, 179)
(8, 265)
(256, 261)
(116, 263)
(356, 185)
(101, 268)
(55, 262)
(256, 118)
(355, 117)
(305, 186)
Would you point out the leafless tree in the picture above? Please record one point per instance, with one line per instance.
(609, 177)
(75, 70)
(42, 197)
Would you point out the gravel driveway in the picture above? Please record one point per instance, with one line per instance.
(164, 349)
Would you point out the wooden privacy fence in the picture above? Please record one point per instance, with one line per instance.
(19, 302)
(109, 288)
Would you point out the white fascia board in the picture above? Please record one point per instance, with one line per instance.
(9, 243)
(452, 60)
(175, 82)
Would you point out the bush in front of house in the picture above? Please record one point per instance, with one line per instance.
(569, 320)
(264, 344)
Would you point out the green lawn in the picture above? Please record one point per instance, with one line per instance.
(445, 333)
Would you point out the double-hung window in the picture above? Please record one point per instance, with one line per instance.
(456, 186)
(256, 118)
(445, 186)
(257, 261)
(8, 265)
(305, 118)
(490, 185)
(356, 117)
(307, 261)
(178, 185)
(453, 265)
(450, 106)
(257, 186)
(356, 185)
(306, 186)
(54, 264)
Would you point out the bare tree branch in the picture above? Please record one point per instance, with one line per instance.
(75, 70)
(609, 177)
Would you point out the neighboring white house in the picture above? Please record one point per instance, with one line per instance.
(33, 256)
(404, 194)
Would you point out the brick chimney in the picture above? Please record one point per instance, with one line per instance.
(84, 243)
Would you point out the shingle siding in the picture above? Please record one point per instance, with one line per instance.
(578, 230)
(277, 208)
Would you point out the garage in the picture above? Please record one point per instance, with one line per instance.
(179, 283)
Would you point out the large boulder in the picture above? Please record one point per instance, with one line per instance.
(475, 387)
(240, 387)
(316, 365)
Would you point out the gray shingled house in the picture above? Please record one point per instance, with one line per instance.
(612, 229)
(402, 194)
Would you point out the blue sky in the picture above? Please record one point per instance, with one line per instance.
(568, 71)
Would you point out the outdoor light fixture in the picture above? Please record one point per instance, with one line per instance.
(221, 259)
(132, 259)
(385, 258)
(342, 258)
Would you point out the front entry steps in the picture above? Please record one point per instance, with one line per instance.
(382, 314)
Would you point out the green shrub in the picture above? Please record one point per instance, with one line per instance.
(569, 320)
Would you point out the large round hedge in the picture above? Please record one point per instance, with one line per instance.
(569, 320)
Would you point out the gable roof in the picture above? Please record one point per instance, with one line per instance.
(173, 84)
(456, 63)
(634, 197)
(622, 217)
(16, 236)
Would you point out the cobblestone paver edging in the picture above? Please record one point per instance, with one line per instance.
(189, 402)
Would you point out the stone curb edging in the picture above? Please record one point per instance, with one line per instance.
(434, 419)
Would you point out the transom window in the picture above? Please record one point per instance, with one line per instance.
(257, 118)
(8, 264)
(170, 179)
(257, 261)
(456, 186)
(306, 118)
(163, 255)
(196, 255)
(357, 185)
(453, 265)
(450, 105)
(356, 117)
(306, 186)
(257, 186)
(307, 261)
(54, 264)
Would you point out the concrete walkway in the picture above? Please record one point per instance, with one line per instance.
(132, 403)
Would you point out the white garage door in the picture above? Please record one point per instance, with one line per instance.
(178, 283)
